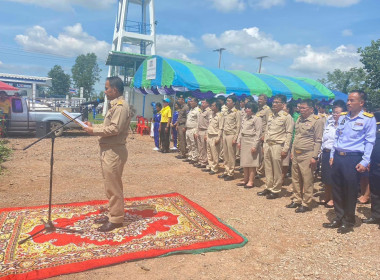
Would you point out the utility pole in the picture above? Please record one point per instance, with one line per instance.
(261, 60)
(220, 54)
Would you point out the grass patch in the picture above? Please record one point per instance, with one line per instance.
(5, 153)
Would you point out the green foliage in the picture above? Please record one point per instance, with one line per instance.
(370, 57)
(85, 73)
(5, 153)
(345, 81)
(60, 81)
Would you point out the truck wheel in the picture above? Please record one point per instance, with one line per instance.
(55, 125)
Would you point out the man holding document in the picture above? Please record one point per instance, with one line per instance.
(113, 151)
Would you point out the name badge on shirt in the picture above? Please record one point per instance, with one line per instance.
(359, 124)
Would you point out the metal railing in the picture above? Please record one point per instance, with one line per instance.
(138, 27)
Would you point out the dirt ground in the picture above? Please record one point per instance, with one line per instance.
(282, 244)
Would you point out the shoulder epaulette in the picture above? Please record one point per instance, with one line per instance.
(316, 117)
(343, 113)
(120, 102)
(369, 115)
(378, 123)
(285, 113)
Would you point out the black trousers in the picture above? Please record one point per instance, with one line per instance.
(374, 184)
(346, 182)
(164, 137)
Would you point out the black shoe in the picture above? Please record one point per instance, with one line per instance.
(101, 220)
(179, 157)
(241, 184)
(333, 224)
(302, 209)
(206, 169)
(186, 160)
(228, 178)
(264, 192)
(249, 187)
(221, 176)
(201, 166)
(192, 162)
(343, 229)
(109, 227)
(371, 221)
(212, 172)
(258, 176)
(293, 205)
(197, 165)
(272, 195)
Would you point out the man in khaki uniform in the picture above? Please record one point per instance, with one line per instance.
(231, 129)
(201, 136)
(191, 131)
(306, 146)
(214, 138)
(277, 141)
(113, 151)
(263, 112)
(180, 125)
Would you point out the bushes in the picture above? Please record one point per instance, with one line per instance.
(5, 153)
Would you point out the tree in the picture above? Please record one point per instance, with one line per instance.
(345, 81)
(86, 73)
(370, 57)
(59, 80)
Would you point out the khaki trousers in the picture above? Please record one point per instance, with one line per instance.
(261, 168)
(191, 144)
(302, 178)
(213, 152)
(229, 151)
(182, 140)
(202, 147)
(273, 167)
(113, 159)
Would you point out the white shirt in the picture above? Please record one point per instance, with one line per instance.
(329, 133)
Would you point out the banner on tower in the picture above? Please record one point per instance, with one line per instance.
(151, 69)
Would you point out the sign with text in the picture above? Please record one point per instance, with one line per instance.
(151, 69)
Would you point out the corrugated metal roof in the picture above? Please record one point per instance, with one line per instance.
(24, 77)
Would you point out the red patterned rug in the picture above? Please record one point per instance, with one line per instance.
(153, 226)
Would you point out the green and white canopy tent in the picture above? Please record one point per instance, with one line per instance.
(159, 75)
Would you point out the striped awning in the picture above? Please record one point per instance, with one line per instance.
(159, 75)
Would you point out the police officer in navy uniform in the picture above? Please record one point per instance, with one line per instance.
(374, 178)
(350, 156)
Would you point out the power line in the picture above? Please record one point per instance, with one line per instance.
(220, 54)
(261, 60)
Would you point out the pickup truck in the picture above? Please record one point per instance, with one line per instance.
(23, 119)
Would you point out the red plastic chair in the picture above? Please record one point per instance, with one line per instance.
(140, 122)
(145, 126)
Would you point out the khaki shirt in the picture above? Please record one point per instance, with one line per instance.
(114, 130)
(232, 122)
(242, 114)
(182, 113)
(192, 118)
(264, 113)
(216, 125)
(224, 109)
(280, 130)
(204, 118)
(308, 136)
(251, 127)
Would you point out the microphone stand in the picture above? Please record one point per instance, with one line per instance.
(48, 225)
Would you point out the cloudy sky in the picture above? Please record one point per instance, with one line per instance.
(300, 37)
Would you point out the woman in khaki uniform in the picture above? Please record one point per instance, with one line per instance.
(249, 143)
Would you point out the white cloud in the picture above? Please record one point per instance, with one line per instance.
(320, 62)
(72, 42)
(228, 5)
(176, 46)
(62, 5)
(347, 32)
(250, 43)
(333, 3)
(266, 4)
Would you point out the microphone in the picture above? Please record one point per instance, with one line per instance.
(95, 102)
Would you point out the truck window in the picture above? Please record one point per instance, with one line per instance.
(16, 105)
